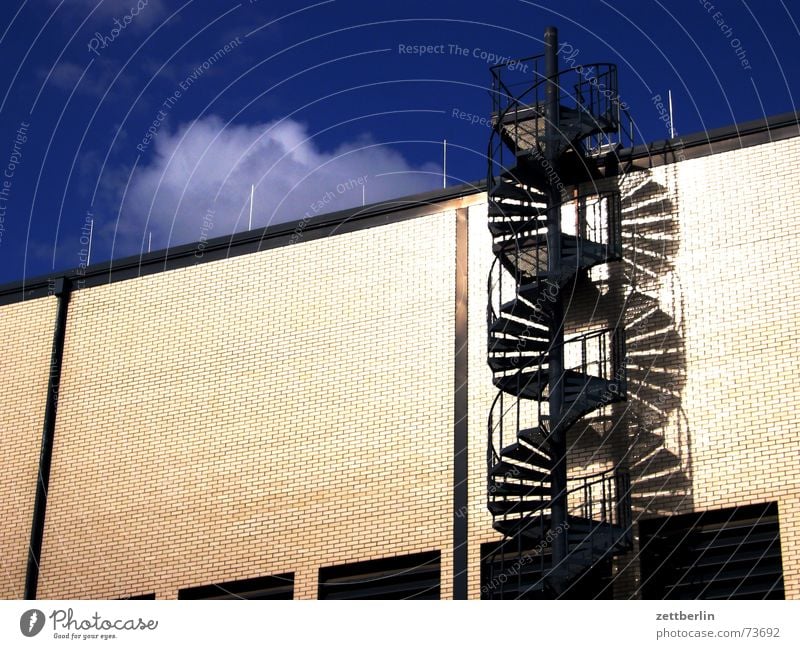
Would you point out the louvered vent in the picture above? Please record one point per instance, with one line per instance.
(270, 587)
(723, 554)
(514, 569)
(413, 576)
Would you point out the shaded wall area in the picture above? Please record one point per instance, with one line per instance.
(708, 299)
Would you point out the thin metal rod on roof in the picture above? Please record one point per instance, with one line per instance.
(444, 165)
(671, 122)
(149, 241)
(91, 232)
(250, 220)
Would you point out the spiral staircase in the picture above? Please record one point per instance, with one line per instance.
(552, 133)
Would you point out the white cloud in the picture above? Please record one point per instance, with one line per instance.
(146, 11)
(205, 166)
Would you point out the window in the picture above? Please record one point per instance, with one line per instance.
(723, 554)
(513, 569)
(144, 596)
(271, 587)
(413, 576)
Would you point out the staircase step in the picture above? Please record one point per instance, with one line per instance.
(520, 453)
(528, 385)
(520, 134)
(521, 259)
(589, 250)
(571, 264)
(581, 553)
(515, 489)
(599, 536)
(511, 191)
(586, 402)
(528, 245)
(589, 386)
(579, 525)
(593, 388)
(532, 195)
(514, 228)
(572, 415)
(517, 178)
(577, 123)
(506, 507)
(534, 527)
(513, 361)
(512, 471)
(530, 165)
(577, 406)
(515, 328)
(507, 210)
(541, 293)
(518, 175)
(536, 438)
(575, 253)
(516, 345)
(521, 309)
(596, 541)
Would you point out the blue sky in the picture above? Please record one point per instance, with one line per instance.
(155, 117)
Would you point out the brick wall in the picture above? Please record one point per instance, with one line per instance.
(736, 272)
(274, 412)
(293, 408)
(26, 337)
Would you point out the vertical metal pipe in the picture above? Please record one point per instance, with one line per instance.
(556, 354)
(62, 291)
(461, 403)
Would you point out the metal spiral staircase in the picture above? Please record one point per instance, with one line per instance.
(557, 131)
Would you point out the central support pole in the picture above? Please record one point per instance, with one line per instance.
(558, 443)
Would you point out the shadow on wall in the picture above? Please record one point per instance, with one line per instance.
(648, 434)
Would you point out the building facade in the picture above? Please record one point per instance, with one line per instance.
(301, 411)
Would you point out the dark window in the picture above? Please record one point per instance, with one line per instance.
(413, 576)
(723, 554)
(271, 587)
(515, 569)
(144, 596)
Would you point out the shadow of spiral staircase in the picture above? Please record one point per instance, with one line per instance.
(649, 433)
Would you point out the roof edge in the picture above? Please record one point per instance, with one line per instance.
(658, 152)
(233, 245)
(726, 138)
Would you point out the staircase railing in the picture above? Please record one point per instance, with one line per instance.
(592, 353)
(599, 220)
(495, 290)
(522, 414)
(599, 354)
(602, 497)
(593, 93)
